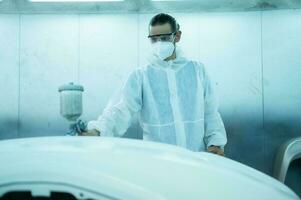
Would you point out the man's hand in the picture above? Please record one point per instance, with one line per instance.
(216, 150)
(90, 133)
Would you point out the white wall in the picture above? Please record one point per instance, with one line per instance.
(9, 75)
(48, 58)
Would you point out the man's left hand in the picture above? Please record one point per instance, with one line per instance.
(216, 150)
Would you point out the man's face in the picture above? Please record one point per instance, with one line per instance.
(163, 33)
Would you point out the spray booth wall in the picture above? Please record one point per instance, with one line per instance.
(254, 58)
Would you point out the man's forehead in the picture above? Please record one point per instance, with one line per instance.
(160, 29)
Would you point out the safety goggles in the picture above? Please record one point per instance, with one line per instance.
(169, 37)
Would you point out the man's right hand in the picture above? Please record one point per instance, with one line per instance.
(90, 133)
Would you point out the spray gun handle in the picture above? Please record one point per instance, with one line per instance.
(77, 128)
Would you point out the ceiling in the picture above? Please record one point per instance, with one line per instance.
(147, 6)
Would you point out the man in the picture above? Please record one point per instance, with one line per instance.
(172, 95)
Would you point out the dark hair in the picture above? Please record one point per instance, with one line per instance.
(163, 18)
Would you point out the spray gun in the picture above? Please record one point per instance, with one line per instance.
(71, 107)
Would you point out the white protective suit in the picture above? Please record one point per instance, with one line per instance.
(176, 104)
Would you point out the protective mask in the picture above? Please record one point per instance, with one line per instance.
(163, 49)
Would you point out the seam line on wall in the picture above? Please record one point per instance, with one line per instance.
(78, 48)
(138, 61)
(262, 71)
(19, 76)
